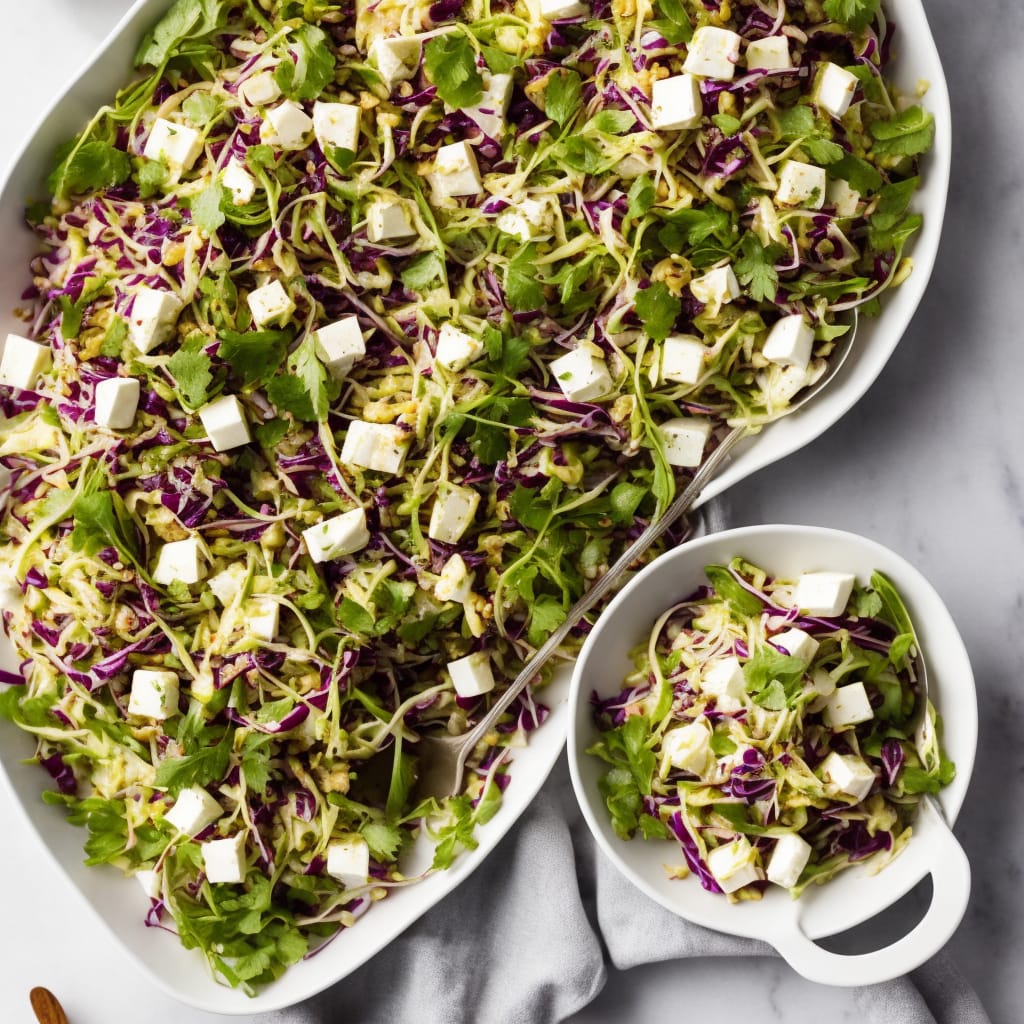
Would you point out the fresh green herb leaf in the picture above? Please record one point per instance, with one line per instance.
(766, 666)
(151, 176)
(206, 765)
(563, 96)
(860, 175)
(423, 272)
(756, 267)
(201, 108)
(677, 27)
(191, 369)
(546, 615)
(727, 587)
(640, 197)
(254, 355)
(658, 310)
(612, 122)
(450, 63)
(187, 19)
(910, 133)
(523, 289)
(857, 14)
(727, 124)
(207, 207)
(313, 68)
(384, 841)
(114, 339)
(583, 154)
(87, 167)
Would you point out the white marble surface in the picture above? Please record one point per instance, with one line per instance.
(930, 463)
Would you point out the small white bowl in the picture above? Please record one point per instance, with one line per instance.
(856, 895)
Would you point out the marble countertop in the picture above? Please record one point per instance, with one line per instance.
(930, 463)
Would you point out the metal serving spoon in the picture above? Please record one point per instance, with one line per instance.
(442, 759)
(47, 1007)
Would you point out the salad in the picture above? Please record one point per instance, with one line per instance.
(774, 729)
(360, 341)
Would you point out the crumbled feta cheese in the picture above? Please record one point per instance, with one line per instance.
(194, 809)
(23, 362)
(685, 439)
(456, 349)
(224, 859)
(529, 219)
(348, 861)
(227, 583)
(260, 89)
(340, 535)
(286, 126)
(453, 512)
(713, 53)
(801, 184)
(455, 172)
(724, 678)
(676, 103)
(337, 125)
(842, 198)
(558, 10)
(224, 421)
(682, 358)
(176, 144)
(379, 447)
(688, 747)
(788, 859)
(796, 643)
(340, 345)
(154, 694)
(823, 593)
(849, 774)
(848, 706)
(834, 89)
(733, 864)
(151, 882)
(582, 374)
(270, 305)
(454, 582)
(239, 182)
(152, 318)
(116, 402)
(262, 617)
(716, 288)
(389, 220)
(472, 675)
(790, 341)
(769, 54)
(396, 59)
(180, 560)
(489, 113)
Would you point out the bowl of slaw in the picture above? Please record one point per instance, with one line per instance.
(857, 894)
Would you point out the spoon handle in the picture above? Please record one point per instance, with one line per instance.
(47, 1008)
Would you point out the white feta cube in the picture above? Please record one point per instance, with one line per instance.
(286, 126)
(847, 706)
(582, 374)
(116, 402)
(396, 59)
(151, 882)
(788, 859)
(790, 341)
(733, 864)
(823, 593)
(849, 774)
(270, 305)
(180, 560)
(348, 861)
(454, 583)
(176, 144)
(456, 349)
(453, 512)
(340, 346)
(379, 447)
(261, 619)
(687, 747)
(194, 809)
(713, 53)
(337, 536)
(834, 89)
(23, 362)
(472, 675)
(797, 644)
(682, 358)
(685, 439)
(455, 172)
(769, 54)
(225, 424)
(842, 198)
(224, 859)
(676, 103)
(337, 125)
(239, 182)
(259, 89)
(724, 677)
(154, 694)
(389, 220)
(801, 184)
(152, 318)
(716, 288)
(489, 113)
(530, 219)
(559, 10)
(226, 585)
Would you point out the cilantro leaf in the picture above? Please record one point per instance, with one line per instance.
(206, 208)
(658, 309)
(423, 272)
(582, 154)
(254, 355)
(114, 339)
(756, 267)
(87, 167)
(563, 96)
(313, 68)
(910, 133)
(855, 170)
(727, 124)
(546, 615)
(288, 394)
(209, 764)
(201, 108)
(612, 122)
(383, 840)
(522, 288)
(741, 600)
(191, 369)
(857, 14)
(640, 197)
(101, 521)
(823, 151)
(450, 63)
(679, 28)
(187, 19)
(625, 500)
(767, 666)
(306, 365)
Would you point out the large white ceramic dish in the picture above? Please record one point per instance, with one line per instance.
(119, 904)
(856, 895)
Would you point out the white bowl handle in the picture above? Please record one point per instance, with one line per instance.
(951, 887)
